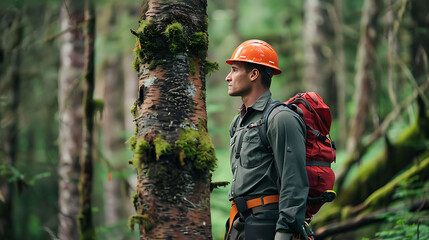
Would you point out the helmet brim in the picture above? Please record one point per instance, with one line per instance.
(277, 71)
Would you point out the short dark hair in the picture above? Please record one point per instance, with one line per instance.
(266, 72)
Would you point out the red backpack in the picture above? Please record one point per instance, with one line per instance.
(320, 150)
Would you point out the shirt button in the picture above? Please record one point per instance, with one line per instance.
(233, 179)
(232, 193)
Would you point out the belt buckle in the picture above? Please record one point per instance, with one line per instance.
(241, 204)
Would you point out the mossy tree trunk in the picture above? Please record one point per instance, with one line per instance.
(173, 153)
(86, 228)
(70, 117)
(9, 91)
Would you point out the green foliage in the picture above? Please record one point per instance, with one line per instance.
(34, 226)
(405, 223)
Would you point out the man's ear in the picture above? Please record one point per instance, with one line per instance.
(254, 74)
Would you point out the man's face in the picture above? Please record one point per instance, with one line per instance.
(239, 83)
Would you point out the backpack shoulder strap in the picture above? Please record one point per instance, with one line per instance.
(263, 128)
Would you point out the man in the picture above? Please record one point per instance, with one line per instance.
(269, 186)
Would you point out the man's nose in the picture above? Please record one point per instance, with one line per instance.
(228, 77)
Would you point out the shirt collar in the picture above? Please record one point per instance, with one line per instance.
(259, 105)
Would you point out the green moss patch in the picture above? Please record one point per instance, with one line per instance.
(145, 46)
(198, 44)
(141, 149)
(133, 109)
(175, 37)
(161, 147)
(211, 67)
(144, 220)
(196, 146)
(192, 67)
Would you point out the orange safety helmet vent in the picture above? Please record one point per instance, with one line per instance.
(258, 52)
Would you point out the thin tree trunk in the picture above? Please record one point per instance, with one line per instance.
(364, 71)
(173, 153)
(420, 41)
(130, 96)
(234, 6)
(86, 228)
(114, 128)
(9, 123)
(317, 68)
(70, 120)
(340, 70)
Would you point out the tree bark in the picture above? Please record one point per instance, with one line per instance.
(173, 153)
(70, 111)
(86, 228)
(9, 118)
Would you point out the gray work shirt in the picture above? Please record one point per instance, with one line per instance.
(254, 171)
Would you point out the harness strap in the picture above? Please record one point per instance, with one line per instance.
(250, 204)
(317, 163)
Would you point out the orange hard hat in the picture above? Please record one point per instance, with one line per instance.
(258, 52)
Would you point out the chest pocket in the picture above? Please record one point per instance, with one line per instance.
(251, 149)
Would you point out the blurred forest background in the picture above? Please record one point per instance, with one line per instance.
(368, 59)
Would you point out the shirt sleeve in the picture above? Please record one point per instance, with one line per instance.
(286, 135)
